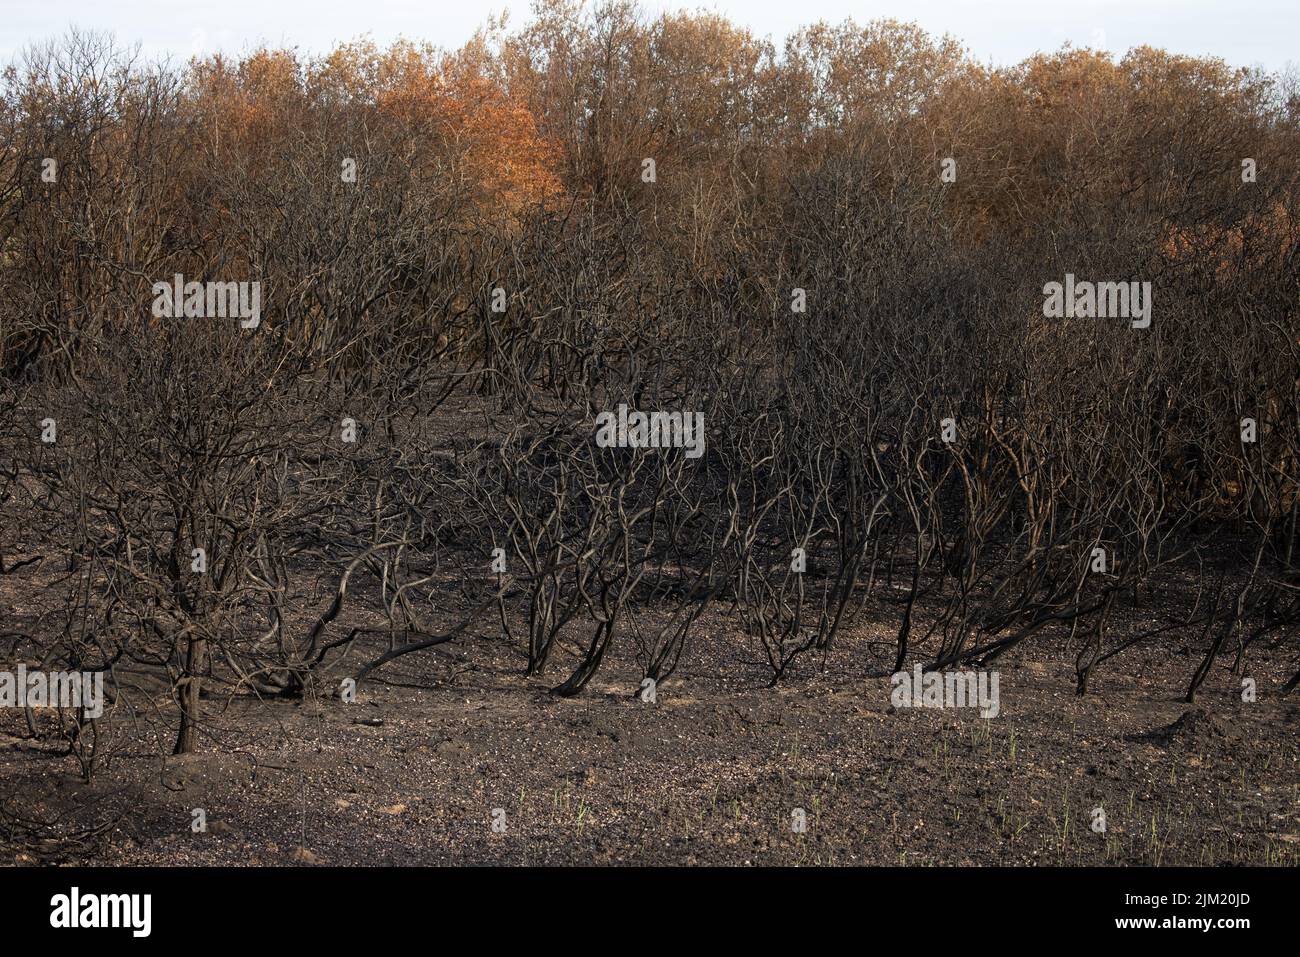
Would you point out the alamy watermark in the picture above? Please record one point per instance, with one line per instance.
(211, 300)
(53, 689)
(651, 430)
(1098, 300)
(946, 689)
(76, 909)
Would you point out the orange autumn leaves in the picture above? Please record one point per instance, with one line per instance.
(1224, 252)
(493, 140)
(446, 119)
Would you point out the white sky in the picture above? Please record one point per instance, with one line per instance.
(1243, 32)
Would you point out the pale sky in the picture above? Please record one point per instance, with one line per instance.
(1243, 32)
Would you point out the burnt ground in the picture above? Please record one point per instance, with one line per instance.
(710, 774)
